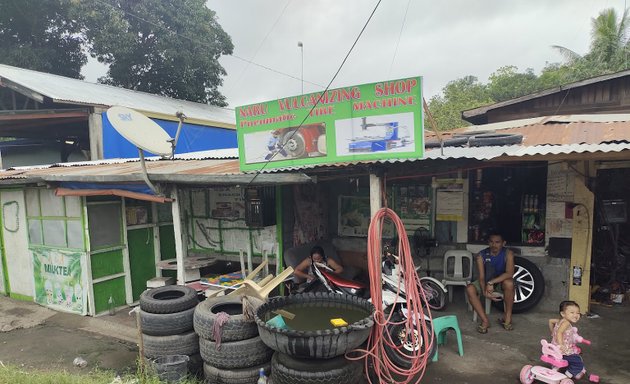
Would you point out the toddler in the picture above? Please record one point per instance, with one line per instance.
(563, 335)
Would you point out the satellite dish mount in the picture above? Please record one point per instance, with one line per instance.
(145, 134)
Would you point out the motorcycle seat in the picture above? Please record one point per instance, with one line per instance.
(342, 282)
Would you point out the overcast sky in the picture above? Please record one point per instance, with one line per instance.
(441, 41)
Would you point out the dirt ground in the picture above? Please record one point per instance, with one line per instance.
(37, 338)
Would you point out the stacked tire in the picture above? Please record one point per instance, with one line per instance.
(240, 353)
(166, 320)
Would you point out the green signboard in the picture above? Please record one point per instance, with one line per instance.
(59, 279)
(364, 122)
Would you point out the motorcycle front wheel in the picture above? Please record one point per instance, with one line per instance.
(407, 343)
(436, 297)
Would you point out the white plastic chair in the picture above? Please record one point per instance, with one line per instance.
(458, 266)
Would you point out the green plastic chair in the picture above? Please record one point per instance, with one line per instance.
(441, 325)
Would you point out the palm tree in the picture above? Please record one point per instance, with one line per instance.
(609, 51)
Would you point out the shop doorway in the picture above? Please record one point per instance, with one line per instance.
(141, 243)
(611, 235)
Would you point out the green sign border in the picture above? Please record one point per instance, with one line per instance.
(371, 122)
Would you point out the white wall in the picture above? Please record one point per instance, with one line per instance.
(15, 235)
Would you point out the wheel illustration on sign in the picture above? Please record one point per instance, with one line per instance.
(306, 141)
(375, 134)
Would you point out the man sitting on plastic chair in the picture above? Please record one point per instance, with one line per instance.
(495, 265)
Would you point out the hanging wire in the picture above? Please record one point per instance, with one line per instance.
(321, 95)
(201, 43)
(399, 36)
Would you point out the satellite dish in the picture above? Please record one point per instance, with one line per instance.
(140, 131)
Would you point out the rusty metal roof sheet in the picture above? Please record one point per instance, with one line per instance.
(468, 114)
(551, 135)
(74, 91)
(209, 171)
(557, 135)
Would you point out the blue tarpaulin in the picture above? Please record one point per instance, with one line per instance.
(192, 138)
(138, 188)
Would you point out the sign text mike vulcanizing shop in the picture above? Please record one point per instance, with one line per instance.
(364, 122)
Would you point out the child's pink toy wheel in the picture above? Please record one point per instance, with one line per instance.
(566, 381)
(526, 376)
(593, 378)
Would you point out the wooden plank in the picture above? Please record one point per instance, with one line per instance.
(579, 288)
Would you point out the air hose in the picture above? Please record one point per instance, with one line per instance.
(379, 360)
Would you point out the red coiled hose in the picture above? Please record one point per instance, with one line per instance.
(376, 357)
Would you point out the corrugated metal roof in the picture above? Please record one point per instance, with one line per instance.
(73, 91)
(567, 129)
(226, 153)
(211, 171)
(482, 153)
(469, 114)
(550, 135)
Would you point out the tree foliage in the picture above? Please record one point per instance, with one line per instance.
(609, 52)
(166, 47)
(457, 96)
(40, 35)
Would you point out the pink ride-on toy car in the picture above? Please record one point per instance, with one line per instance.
(551, 354)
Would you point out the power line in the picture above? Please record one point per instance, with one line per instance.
(204, 44)
(240, 76)
(321, 95)
(399, 36)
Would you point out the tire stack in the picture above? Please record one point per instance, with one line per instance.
(241, 353)
(166, 320)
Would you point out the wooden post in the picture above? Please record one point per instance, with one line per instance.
(375, 194)
(181, 250)
(95, 131)
(581, 245)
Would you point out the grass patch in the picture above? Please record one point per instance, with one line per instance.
(14, 375)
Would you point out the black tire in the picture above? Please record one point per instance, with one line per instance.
(471, 134)
(324, 343)
(529, 286)
(288, 370)
(295, 144)
(237, 326)
(495, 139)
(184, 344)
(397, 331)
(453, 142)
(166, 324)
(235, 354)
(234, 376)
(168, 299)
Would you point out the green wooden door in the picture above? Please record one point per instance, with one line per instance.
(141, 259)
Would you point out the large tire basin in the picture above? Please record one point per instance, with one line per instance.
(310, 334)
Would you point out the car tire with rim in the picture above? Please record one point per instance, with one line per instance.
(529, 286)
(168, 299)
(294, 143)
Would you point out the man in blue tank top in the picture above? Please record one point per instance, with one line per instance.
(495, 266)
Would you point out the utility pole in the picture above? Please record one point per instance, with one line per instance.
(302, 51)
